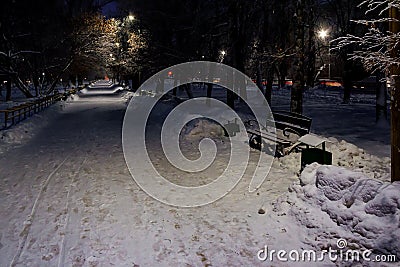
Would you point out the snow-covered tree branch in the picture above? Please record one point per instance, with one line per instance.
(375, 48)
(379, 51)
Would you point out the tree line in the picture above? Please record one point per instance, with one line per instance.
(48, 43)
(265, 39)
(44, 42)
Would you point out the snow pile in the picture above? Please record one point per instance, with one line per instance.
(25, 130)
(333, 202)
(350, 156)
(127, 95)
(347, 155)
(72, 97)
(200, 128)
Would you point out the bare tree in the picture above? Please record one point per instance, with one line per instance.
(341, 13)
(307, 13)
(378, 50)
(298, 66)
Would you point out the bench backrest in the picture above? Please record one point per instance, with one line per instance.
(299, 123)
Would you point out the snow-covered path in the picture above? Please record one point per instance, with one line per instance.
(45, 182)
(67, 199)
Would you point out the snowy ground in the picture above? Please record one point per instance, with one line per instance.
(354, 122)
(67, 198)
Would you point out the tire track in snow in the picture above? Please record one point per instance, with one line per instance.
(27, 224)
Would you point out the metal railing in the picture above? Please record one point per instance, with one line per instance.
(18, 113)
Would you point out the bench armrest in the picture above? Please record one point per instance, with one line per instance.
(288, 130)
(251, 121)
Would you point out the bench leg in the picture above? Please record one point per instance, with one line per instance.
(279, 150)
(255, 142)
(288, 150)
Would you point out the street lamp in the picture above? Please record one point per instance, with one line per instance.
(222, 55)
(323, 34)
(131, 17)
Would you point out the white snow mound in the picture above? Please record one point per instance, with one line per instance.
(202, 127)
(333, 202)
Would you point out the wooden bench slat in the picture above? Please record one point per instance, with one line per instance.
(269, 136)
(282, 120)
(294, 119)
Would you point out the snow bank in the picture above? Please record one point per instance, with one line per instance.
(347, 155)
(26, 129)
(200, 128)
(333, 202)
(127, 95)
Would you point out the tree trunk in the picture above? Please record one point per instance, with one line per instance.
(209, 91)
(175, 86)
(188, 89)
(394, 27)
(311, 51)
(259, 78)
(36, 85)
(55, 81)
(241, 91)
(268, 86)
(21, 86)
(238, 40)
(135, 81)
(296, 97)
(381, 109)
(211, 75)
(282, 69)
(230, 96)
(347, 81)
(395, 125)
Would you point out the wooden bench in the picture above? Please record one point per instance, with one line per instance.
(289, 127)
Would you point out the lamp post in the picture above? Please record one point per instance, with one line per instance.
(222, 55)
(323, 34)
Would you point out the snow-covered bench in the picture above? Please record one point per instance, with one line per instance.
(289, 127)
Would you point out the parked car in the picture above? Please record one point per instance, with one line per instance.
(329, 83)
